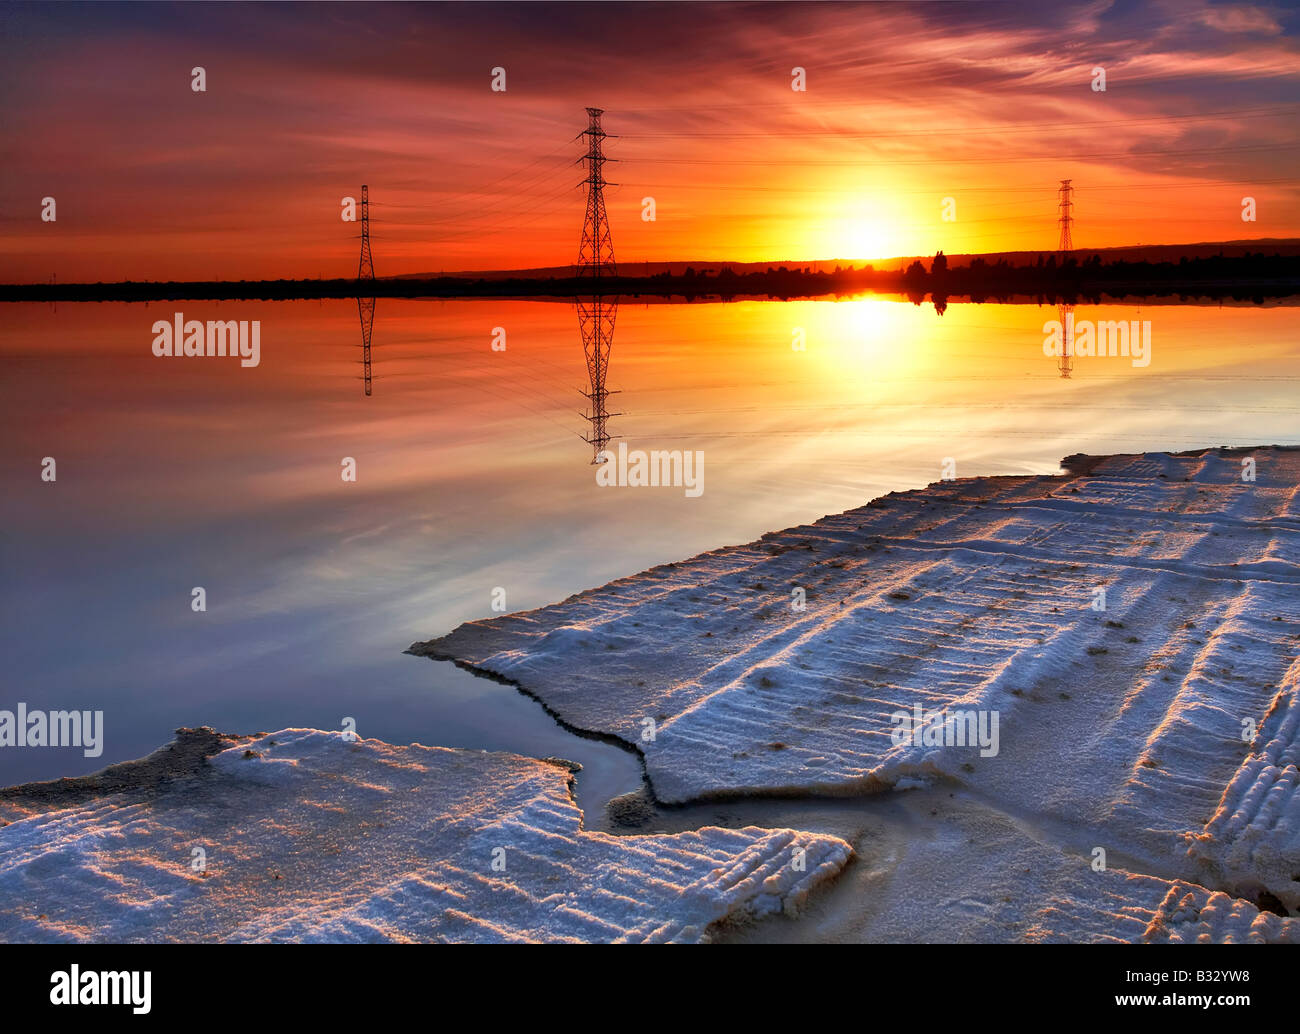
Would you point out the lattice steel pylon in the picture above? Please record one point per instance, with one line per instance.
(596, 314)
(596, 318)
(366, 270)
(1066, 205)
(596, 250)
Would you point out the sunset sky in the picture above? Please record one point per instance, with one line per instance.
(989, 104)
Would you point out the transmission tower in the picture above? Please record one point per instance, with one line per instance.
(596, 252)
(1067, 217)
(366, 310)
(596, 322)
(366, 271)
(1065, 361)
(595, 260)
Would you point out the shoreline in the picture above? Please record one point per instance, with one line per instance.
(707, 645)
(1242, 278)
(937, 844)
(310, 836)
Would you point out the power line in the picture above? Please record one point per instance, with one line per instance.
(1072, 128)
(1020, 190)
(963, 160)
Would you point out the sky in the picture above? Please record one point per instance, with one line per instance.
(911, 112)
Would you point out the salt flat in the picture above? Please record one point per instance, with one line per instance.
(1162, 726)
(304, 836)
(1133, 625)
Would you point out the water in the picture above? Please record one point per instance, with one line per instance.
(472, 477)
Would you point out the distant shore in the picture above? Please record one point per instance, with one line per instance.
(1082, 279)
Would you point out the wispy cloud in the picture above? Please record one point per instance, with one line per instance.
(905, 105)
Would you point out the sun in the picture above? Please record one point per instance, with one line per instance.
(866, 240)
(863, 233)
(866, 222)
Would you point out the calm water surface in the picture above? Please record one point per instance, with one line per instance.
(472, 475)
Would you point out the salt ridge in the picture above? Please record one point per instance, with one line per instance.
(977, 594)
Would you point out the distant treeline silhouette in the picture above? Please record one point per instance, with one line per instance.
(1252, 276)
(1248, 277)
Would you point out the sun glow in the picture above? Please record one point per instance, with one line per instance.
(865, 229)
(866, 240)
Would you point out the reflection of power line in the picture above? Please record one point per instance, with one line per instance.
(873, 406)
(1065, 361)
(596, 324)
(366, 310)
(879, 432)
(468, 378)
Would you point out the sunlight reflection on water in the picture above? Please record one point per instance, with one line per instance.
(473, 475)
